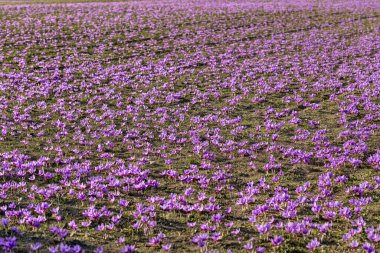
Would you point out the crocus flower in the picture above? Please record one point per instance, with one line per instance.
(128, 249)
(277, 240)
(313, 244)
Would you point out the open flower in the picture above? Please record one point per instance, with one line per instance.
(313, 244)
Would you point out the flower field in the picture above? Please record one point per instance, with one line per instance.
(190, 126)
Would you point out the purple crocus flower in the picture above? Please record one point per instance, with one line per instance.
(354, 244)
(260, 249)
(35, 246)
(277, 240)
(369, 248)
(313, 244)
(128, 249)
(166, 247)
(248, 246)
(8, 244)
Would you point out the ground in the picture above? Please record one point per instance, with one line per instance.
(190, 125)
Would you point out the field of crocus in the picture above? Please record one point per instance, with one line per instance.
(190, 126)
